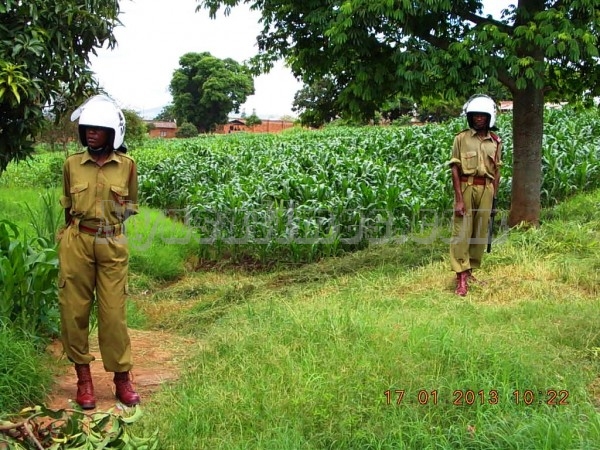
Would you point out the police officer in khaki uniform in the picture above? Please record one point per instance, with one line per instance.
(100, 190)
(475, 166)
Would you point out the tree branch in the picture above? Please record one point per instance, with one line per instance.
(443, 44)
(505, 78)
(478, 20)
(26, 427)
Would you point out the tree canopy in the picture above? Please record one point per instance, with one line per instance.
(376, 49)
(206, 89)
(135, 127)
(317, 102)
(44, 59)
(166, 114)
(252, 120)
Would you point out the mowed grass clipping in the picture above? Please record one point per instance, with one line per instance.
(386, 356)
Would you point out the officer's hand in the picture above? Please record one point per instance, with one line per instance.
(459, 209)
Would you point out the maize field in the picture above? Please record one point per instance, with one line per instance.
(302, 195)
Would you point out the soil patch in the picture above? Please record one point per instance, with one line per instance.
(157, 359)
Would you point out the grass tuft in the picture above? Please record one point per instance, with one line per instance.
(24, 379)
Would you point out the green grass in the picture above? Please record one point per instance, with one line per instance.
(24, 374)
(301, 359)
(14, 204)
(160, 247)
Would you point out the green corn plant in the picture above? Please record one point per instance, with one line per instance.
(28, 274)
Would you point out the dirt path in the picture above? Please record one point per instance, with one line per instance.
(157, 358)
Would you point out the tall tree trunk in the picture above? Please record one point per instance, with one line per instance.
(528, 129)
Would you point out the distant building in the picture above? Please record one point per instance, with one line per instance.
(267, 126)
(162, 129)
(507, 105)
(232, 126)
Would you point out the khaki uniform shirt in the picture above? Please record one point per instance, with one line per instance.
(474, 156)
(100, 195)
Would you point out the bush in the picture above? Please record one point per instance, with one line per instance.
(136, 129)
(187, 130)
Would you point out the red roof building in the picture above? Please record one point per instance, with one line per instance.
(163, 130)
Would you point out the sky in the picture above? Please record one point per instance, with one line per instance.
(156, 33)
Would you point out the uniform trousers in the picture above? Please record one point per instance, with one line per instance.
(469, 232)
(91, 265)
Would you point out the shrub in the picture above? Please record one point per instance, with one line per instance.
(186, 130)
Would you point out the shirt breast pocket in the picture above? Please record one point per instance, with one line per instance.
(119, 200)
(469, 160)
(80, 202)
(491, 153)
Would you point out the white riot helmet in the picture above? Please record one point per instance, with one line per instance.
(480, 103)
(101, 111)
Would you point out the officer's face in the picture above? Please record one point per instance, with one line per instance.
(96, 137)
(480, 121)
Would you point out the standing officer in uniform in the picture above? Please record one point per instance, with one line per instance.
(100, 190)
(475, 166)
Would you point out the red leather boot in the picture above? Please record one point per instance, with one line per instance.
(462, 286)
(85, 388)
(124, 390)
